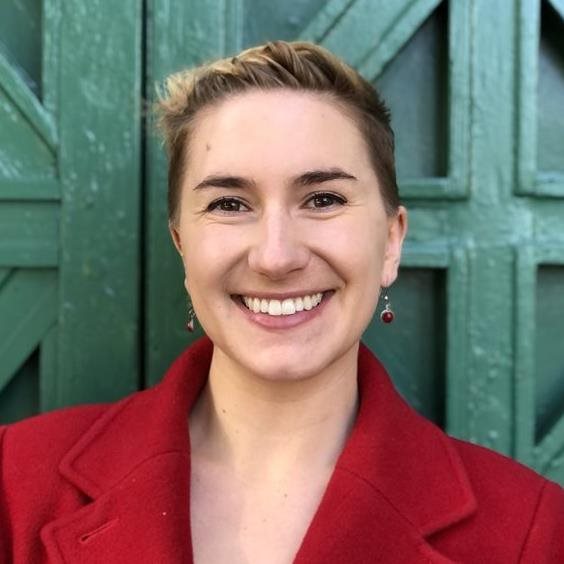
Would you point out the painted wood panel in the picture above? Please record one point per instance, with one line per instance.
(70, 122)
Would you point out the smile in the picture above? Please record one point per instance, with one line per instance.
(288, 306)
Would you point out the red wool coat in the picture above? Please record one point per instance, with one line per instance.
(110, 483)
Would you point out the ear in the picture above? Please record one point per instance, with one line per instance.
(175, 237)
(397, 230)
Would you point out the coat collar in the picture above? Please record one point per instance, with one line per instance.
(132, 467)
(399, 477)
(398, 480)
(404, 456)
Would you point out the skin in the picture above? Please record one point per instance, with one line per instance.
(301, 213)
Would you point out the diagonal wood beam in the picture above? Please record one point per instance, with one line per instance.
(349, 28)
(326, 19)
(24, 100)
(395, 37)
(28, 308)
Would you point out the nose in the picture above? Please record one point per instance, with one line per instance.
(277, 248)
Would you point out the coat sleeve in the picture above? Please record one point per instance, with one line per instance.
(545, 539)
(4, 528)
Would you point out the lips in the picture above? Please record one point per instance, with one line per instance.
(287, 306)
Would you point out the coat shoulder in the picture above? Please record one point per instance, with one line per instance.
(488, 469)
(40, 442)
(519, 514)
(499, 481)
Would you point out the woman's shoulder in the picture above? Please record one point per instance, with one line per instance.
(484, 463)
(493, 474)
(512, 502)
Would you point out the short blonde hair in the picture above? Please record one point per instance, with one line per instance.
(298, 66)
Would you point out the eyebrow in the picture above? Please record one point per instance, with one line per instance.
(309, 178)
(224, 181)
(312, 177)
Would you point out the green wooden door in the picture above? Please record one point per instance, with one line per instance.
(70, 159)
(92, 303)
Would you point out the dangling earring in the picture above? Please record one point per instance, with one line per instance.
(386, 315)
(191, 322)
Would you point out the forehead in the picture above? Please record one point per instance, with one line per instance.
(283, 130)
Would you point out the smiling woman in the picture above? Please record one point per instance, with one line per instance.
(278, 437)
(311, 223)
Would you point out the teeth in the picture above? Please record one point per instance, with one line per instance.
(288, 306)
(256, 305)
(274, 307)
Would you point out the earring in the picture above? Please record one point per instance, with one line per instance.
(191, 322)
(386, 315)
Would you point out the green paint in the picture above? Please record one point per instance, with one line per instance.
(419, 114)
(20, 397)
(413, 347)
(550, 94)
(549, 404)
(50, 385)
(28, 307)
(20, 33)
(16, 92)
(99, 163)
(29, 233)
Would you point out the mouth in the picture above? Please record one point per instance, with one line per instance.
(286, 307)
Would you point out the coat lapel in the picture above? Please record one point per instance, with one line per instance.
(143, 519)
(398, 481)
(356, 524)
(133, 469)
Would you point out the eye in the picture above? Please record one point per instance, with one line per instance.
(325, 200)
(227, 205)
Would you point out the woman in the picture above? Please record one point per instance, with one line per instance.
(279, 438)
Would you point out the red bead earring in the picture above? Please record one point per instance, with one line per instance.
(386, 315)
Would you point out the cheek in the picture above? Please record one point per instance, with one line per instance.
(210, 252)
(358, 245)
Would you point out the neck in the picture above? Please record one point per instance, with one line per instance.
(264, 428)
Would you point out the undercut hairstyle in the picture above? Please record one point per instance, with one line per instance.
(279, 65)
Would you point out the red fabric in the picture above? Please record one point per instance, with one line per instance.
(110, 483)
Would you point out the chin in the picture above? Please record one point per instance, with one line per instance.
(290, 372)
(285, 358)
(289, 365)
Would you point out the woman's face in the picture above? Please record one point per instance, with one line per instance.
(281, 209)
